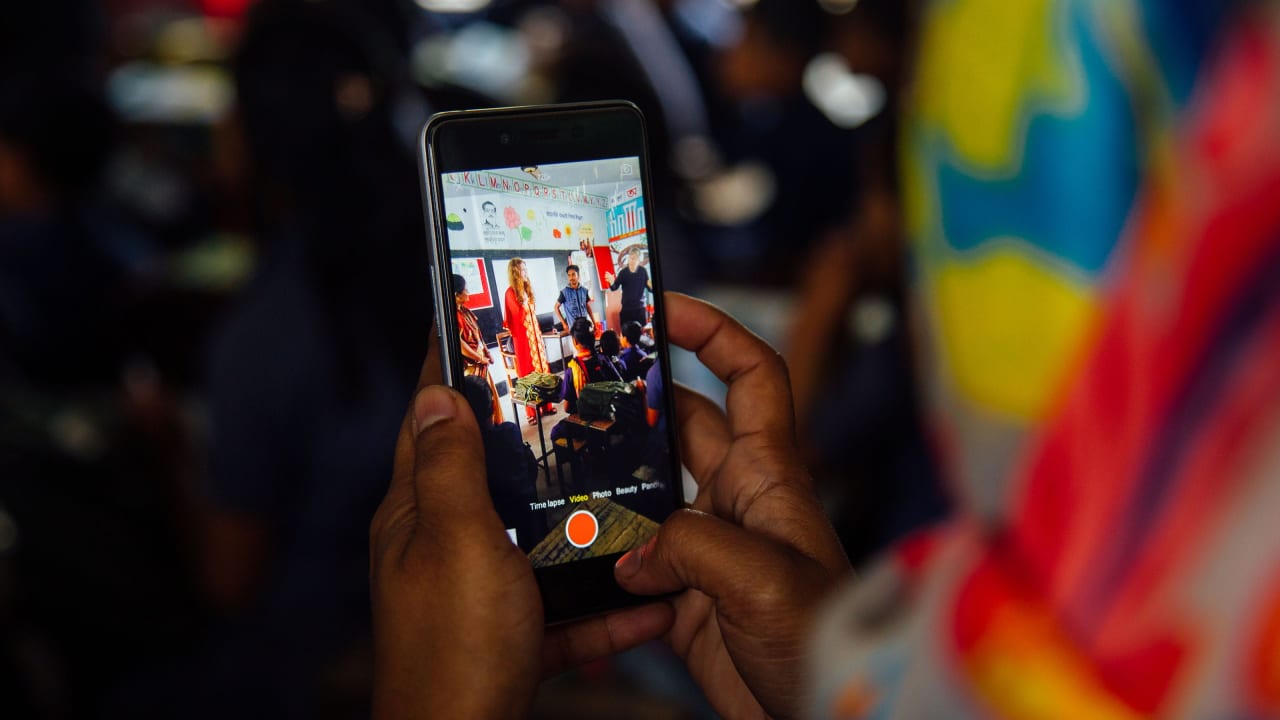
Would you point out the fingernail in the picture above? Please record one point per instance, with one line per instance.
(432, 405)
(629, 564)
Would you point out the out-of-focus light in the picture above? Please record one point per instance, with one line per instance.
(145, 92)
(695, 157)
(741, 4)
(871, 319)
(218, 263)
(736, 196)
(453, 6)
(191, 39)
(847, 99)
(838, 7)
(225, 8)
(545, 31)
(77, 434)
(716, 21)
(353, 95)
(481, 56)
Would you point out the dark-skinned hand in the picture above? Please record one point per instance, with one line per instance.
(457, 617)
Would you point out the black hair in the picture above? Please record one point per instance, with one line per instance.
(631, 330)
(478, 396)
(488, 202)
(609, 344)
(573, 268)
(459, 283)
(582, 333)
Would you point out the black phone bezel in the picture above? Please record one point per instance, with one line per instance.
(472, 140)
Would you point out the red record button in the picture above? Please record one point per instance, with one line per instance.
(582, 529)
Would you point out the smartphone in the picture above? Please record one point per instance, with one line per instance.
(548, 296)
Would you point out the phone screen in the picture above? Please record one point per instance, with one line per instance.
(551, 275)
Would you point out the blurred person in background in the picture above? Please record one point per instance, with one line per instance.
(848, 346)
(307, 374)
(1093, 197)
(793, 173)
(640, 50)
(94, 562)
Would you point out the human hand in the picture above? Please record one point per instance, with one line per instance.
(457, 618)
(755, 556)
(608, 277)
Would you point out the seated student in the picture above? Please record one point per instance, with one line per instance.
(509, 462)
(586, 366)
(633, 354)
(610, 348)
(653, 397)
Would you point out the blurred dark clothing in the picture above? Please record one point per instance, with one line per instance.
(874, 465)
(309, 376)
(632, 359)
(815, 174)
(39, 36)
(602, 62)
(312, 462)
(634, 284)
(67, 258)
(64, 296)
(93, 574)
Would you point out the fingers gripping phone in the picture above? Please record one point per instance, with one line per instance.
(548, 296)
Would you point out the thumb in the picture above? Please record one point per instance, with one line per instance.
(450, 485)
(695, 550)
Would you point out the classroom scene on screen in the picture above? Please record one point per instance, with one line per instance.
(555, 316)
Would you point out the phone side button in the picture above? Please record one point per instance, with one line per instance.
(431, 273)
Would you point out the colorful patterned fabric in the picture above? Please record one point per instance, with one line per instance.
(531, 354)
(1093, 189)
(469, 332)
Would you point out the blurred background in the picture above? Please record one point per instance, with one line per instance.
(214, 302)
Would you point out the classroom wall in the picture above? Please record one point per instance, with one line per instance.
(545, 233)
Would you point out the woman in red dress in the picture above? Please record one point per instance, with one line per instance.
(522, 321)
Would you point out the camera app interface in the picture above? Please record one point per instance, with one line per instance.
(554, 303)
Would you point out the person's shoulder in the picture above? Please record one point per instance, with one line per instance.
(507, 433)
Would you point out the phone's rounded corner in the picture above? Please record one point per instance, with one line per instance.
(433, 125)
(630, 107)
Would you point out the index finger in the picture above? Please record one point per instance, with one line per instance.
(759, 396)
